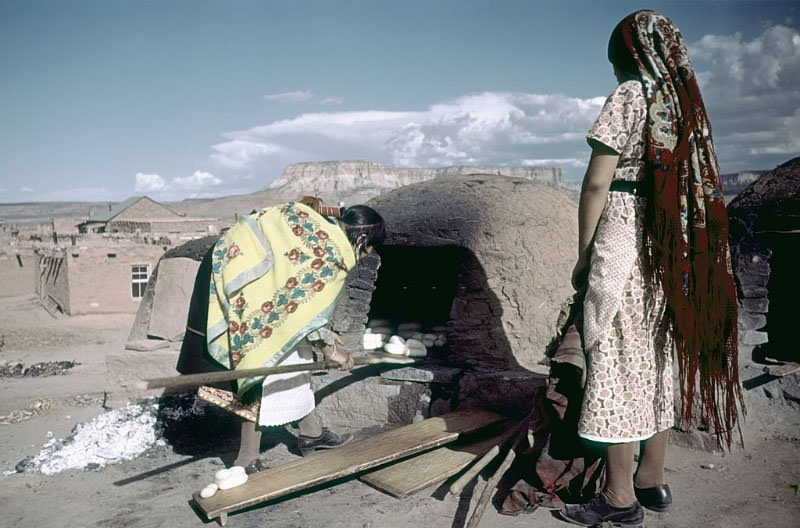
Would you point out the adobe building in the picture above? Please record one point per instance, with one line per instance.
(95, 279)
(141, 214)
(103, 263)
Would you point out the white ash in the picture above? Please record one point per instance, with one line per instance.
(114, 436)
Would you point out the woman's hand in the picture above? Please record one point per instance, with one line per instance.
(338, 355)
(580, 273)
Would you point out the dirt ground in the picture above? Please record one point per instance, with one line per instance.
(752, 487)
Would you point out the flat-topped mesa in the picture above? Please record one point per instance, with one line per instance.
(346, 176)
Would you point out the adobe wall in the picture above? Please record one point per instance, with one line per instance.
(110, 267)
(515, 242)
(203, 226)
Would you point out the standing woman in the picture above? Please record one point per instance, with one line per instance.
(653, 255)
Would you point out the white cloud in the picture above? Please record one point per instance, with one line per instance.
(332, 101)
(149, 183)
(289, 97)
(752, 91)
(577, 163)
(768, 63)
(491, 128)
(240, 153)
(197, 180)
(26, 189)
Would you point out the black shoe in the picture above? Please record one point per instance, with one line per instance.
(657, 498)
(598, 511)
(327, 440)
(255, 466)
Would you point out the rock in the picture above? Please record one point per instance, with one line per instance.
(334, 180)
(760, 305)
(751, 321)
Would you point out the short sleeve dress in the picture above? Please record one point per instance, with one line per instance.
(628, 393)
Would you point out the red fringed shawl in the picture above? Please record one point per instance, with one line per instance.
(686, 224)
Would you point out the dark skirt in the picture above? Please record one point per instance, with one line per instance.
(194, 357)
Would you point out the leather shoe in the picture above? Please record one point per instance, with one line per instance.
(657, 498)
(327, 440)
(598, 511)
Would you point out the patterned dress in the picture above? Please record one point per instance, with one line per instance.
(628, 393)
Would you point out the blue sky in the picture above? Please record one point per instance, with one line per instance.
(102, 100)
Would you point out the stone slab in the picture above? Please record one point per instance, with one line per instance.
(146, 345)
(754, 337)
(426, 374)
(173, 292)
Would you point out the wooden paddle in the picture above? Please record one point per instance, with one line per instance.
(207, 378)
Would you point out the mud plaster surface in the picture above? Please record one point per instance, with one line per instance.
(752, 487)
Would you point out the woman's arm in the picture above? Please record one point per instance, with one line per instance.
(594, 193)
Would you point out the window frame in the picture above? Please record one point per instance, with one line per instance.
(139, 283)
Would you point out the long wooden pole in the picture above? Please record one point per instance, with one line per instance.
(458, 486)
(206, 378)
(521, 433)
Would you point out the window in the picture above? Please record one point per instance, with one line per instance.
(139, 275)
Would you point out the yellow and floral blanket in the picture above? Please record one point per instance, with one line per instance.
(276, 276)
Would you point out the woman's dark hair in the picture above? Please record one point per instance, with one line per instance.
(620, 55)
(360, 219)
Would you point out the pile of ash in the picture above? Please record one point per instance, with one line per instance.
(114, 436)
(120, 434)
(16, 369)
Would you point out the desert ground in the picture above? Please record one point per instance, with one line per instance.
(751, 487)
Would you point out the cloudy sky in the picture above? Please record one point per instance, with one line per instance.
(106, 99)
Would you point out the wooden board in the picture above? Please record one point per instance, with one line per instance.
(782, 370)
(325, 466)
(418, 472)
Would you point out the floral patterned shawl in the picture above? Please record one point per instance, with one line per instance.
(686, 223)
(275, 276)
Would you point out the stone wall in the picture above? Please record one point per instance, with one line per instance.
(768, 208)
(764, 236)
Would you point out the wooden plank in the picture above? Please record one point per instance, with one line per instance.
(782, 370)
(418, 472)
(325, 466)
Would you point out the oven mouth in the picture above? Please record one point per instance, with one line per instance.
(417, 285)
